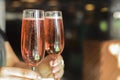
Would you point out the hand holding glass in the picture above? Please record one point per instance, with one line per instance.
(54, 33)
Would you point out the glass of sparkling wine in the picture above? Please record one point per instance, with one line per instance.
(32, 37)
(54, 33)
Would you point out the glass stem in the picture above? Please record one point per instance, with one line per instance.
(33, 68)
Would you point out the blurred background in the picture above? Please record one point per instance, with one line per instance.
(89, 26)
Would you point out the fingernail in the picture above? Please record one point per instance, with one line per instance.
(51, 63)
(56, 76)
(54, 71)
(55, 64)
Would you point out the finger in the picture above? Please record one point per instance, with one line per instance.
(12, 78)
(58, 67)
(25, 73)
(56, 62)
(59, 74)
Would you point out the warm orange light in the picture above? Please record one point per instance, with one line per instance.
(89, 7)
(53, 3)
(16, 4)
(104, 9)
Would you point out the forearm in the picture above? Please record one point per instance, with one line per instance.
(11, 58)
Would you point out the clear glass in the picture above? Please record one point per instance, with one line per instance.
(54, 33)
(32, 37)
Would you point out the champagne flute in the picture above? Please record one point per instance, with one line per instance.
(54, 33)
(32, 37)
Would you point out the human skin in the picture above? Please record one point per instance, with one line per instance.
(18, 70)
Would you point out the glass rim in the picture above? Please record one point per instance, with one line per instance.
(53, 11)
(54, 14)
(29, 13)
